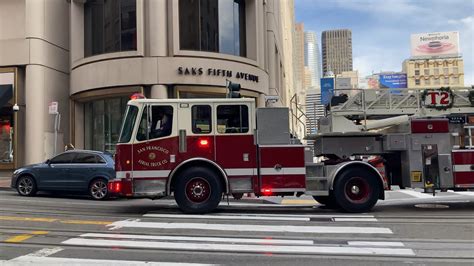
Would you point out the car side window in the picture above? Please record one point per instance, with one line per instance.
(232, 119)
(85, 158)
(63, 158)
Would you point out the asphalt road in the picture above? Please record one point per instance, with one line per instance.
(407, 228)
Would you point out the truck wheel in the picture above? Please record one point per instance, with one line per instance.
(26, 186)
(356, 190)
(197, 190)
(328, 201)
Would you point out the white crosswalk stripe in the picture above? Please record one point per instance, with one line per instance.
(299, 234)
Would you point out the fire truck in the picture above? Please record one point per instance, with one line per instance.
(199, 150)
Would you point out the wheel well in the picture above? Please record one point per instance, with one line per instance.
(366, 168)
(198, 163)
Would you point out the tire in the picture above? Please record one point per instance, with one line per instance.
(197, 190)
(26, 186)
(356, 190)
(98, 189)
(328, 201)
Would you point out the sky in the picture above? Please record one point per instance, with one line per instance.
(381, 29)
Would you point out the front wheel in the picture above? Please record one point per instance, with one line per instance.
(197, 190)
(98, 189)
(356, 190)
(26, 186)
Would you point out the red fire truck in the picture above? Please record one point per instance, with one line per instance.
(201, 149)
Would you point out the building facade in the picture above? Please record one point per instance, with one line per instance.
(34, 75)
(440, 72)
(336, 51)
(312, 57)
(298, 58)
(90, 56)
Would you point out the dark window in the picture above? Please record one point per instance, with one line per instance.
(109, 26)
(232, 119)
(201, 119)
(213, 26)
(63, 158)
(86, 158)
(156, 122)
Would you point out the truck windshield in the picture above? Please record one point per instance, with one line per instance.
(128, 122)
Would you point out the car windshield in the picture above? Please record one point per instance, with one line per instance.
(128, 122)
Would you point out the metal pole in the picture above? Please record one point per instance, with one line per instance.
(55, 133)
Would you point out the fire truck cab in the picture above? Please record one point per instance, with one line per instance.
(200, 149)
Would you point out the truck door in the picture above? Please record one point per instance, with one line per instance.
(235, 148)
(154, 148)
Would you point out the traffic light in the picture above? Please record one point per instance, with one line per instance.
(234, 90)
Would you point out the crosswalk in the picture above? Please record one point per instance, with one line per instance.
(250, 233)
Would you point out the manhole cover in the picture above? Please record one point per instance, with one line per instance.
(432, 206)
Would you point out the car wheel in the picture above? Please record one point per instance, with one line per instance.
(26, 186)
(198, 190)
(356, 190)
(98, 189)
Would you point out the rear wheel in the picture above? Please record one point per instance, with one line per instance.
(26, 186)
(356, 190)
(98, 189)
(198, 190)
(328, 201)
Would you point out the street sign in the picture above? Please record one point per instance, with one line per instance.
(53, 108)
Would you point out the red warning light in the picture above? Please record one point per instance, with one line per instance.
(136, 96)
(267, 191)
(203, 143)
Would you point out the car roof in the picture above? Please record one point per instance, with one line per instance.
(89, 151)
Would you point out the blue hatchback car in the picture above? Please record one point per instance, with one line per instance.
(75, 170)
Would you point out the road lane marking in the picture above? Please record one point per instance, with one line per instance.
(355, 219)
(18, 238)
(241, 248)
(28, 219)
(298, 202)
(375, 243)
(53, 220)
(254, 228)
(266, 241)
(416, 194)
(23, 260)
(85, 222)
(23, 237)
(227, 217)
(44, 252)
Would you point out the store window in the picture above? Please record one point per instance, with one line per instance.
(102, 121)
(109, 26)
(6, 118)
(232, 119)
(213, 26)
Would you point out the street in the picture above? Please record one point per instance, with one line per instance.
(407, 228)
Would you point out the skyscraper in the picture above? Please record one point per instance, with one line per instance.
(298, 57)
(312, 57)
(337, 51)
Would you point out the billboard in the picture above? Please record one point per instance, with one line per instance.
(343, 83)
(435, 44)
(393, 81)
(327, 90)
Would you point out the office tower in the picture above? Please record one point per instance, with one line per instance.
(312, 57)
(337, 51)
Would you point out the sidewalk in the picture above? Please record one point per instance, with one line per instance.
(5, 182)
